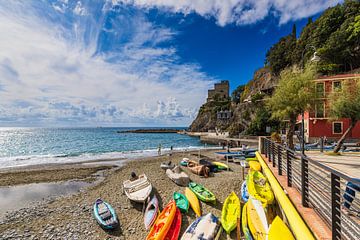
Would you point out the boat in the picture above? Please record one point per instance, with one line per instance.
(105, 215)
(167, 165)
(259, 187)
(151, 212)
(279, 230)
(204, 228)
(244, 192)
(254, 165)
(139, 189)
(230, 213)
(202, 193)
(174, 231)
(244, 223)
(257, 220)
(181, 202)
(210, 165)
(163, 222)
(184, 162)
(178, 176)
(252, 159)
(194, 201)
(221, 166)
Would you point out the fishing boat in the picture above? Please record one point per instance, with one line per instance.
(230, 212)
(151, 212)
(138, 189)
(178, 176)
(202, 193)
(105, 215)
(205, 228)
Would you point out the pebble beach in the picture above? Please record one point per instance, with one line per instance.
(70, 216)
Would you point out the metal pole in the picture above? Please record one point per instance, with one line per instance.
(289, 169)
(302, 134)
(304, 181)
(335, 207)
(279, 160)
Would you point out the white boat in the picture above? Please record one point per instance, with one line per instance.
(139, 189)
(178, 176)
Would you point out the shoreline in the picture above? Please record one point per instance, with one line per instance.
(70, 216)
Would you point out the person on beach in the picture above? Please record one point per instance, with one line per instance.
(349, 194)
(159, 149)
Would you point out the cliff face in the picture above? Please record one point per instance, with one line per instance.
(243, 113)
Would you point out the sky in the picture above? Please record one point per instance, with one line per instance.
(132, 62)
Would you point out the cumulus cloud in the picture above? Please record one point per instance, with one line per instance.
(68, 62)
(240, 12)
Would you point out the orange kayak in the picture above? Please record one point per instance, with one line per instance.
(173, 233)
(163, 222)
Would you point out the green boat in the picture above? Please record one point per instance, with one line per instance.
(181, 202)
(202, 193)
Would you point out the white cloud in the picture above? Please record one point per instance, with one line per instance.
(240, 11)
(66, 70)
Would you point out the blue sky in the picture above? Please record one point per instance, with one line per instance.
(132, 62)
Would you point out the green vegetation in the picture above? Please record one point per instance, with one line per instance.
(262, 120)
(236, 94)
(294, 95)
(345, 103)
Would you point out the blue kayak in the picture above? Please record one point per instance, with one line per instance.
(105, 215)
(244, 192)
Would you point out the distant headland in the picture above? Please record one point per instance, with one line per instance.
(154, 130)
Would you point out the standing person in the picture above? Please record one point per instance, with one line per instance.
(171, 150)
(159, 149)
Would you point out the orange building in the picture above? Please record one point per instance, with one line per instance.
(317, 122)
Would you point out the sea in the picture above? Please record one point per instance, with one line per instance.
(33, 146)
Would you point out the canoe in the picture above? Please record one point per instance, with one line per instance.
(230, 212)
(194, 201)
(151, 212)
(221, 166)
(163, 222)
(178, 176)
(138, 190)
(244, 223)
(254, 165)
(279, 230)
(259, 187)
(257, 220)
(181, 202)
(202, 193)
(210, 165)
(167, 165)
(204, 228)
(244, 192)
(174, 231)
(105, 215)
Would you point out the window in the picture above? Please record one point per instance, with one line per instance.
(320, 89)
(336, 86)
(337, 127)
(320, 110)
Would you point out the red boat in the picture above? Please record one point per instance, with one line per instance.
(173, 233)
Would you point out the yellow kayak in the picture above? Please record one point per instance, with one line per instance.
(193, 200)
(220, 165)
(252, 159)
(259, 187)
(254, 165)
(257, 221)
(230, 212)
(279, 230)
(244, 223)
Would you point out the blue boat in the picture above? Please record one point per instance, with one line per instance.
(244, 192)
(105, 215)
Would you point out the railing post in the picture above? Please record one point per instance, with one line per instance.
(279, 160)
(289, 169)
(269, 150)
(304, 181)
(266, 147)
(335, 207)
(273, 155)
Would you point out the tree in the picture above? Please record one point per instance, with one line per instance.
(345, 103)
(236, 94)
(294, 95)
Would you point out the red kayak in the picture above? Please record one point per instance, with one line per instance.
(173, 233)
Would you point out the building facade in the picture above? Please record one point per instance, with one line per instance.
(220, 91)
(317, 122)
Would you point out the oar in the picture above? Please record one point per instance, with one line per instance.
(238, 234)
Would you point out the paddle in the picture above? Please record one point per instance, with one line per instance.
(238, 235)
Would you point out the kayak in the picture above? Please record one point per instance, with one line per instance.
(257, 220)
(279, 230)
(254, 165)
(244, 223)
(174, 231)
(202, 193)
(105, 215)
(252, 159)
(259, 187)
(181, 202)
(194, 201)
(221, 166)
(163, 222)
(230, 212)
(204, 228)
(210, 165)
(244, 192)
(151, 212)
